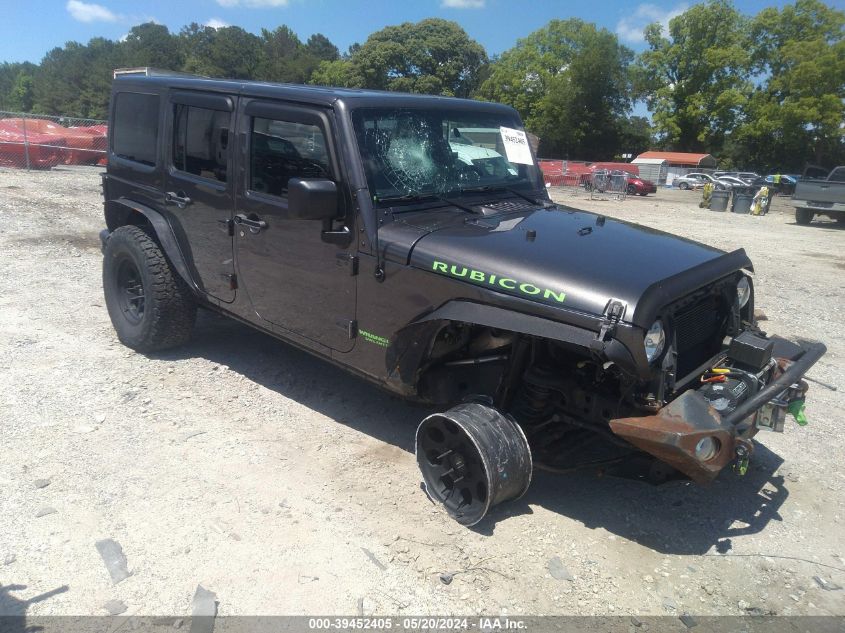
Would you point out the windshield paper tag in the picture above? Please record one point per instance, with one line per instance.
(516, 146)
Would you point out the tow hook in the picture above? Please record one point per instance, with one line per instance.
(743, 455)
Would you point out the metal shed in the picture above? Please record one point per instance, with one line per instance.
(653, 169)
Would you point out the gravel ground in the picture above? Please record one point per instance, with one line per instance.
(288, 487)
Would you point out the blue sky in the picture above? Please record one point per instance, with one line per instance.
(32, 27)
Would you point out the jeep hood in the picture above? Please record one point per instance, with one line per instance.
(560, 257)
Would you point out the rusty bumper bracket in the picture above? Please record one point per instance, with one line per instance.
(673, 433)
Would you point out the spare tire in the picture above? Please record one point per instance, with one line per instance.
(473, 457)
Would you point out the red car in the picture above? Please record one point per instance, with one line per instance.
(637, 185)
(34, 149)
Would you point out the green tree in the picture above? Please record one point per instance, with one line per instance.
(433, 56)
(696, 80)
(341, 72)
(22, 96)
(635, 135)
(75, 80)
(153, 45)
(796, 114)
(229, 52)
(569, 81)
(286, 59)
(17, 78)
(321, 47)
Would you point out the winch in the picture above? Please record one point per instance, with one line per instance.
(748, 368)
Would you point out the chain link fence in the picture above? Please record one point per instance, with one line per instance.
(604, 184)
(36, 141)
(559, 175)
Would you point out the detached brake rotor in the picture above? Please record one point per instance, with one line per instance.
(472, 457)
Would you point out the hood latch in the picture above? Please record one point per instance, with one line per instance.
(614, 311)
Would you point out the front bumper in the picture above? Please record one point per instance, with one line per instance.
(673, 433)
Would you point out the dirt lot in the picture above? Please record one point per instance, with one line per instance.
(288, 487)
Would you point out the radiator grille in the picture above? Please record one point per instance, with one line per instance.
(697, 335)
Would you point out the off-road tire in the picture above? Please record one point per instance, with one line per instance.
(804, 216)
(167, 310)
(683, 186)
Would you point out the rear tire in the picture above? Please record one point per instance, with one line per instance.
(804, 216)
(151, 308)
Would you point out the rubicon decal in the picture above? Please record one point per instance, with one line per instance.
(505, 283)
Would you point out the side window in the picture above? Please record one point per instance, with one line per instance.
(200, 141)
(837, 175)
(281, 150)
(135, 127)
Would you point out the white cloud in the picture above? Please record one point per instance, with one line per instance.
(89, 12)
(217, 23)
(630, 28)
(462, 4)
(253, 4)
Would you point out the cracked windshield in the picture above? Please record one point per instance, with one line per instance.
(412, 154)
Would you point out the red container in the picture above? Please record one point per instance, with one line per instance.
(82, 145)
(33, 149)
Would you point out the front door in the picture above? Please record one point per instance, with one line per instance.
(199, 187)
(294, 278)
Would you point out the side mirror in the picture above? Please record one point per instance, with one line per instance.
(312, 199)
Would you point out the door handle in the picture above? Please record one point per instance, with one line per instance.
(177, 198)
(253, 224)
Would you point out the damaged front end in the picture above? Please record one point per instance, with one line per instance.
(710, 426)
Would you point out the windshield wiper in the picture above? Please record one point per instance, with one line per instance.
(433, 196)
(543, 203)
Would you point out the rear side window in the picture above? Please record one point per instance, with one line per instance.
(281, 150)
(201, 141)
(837, 175)
(135, 127)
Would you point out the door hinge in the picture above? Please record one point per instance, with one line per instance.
(614, 311)
(350, 260)
(233, 282)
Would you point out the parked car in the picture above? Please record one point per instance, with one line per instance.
(694, 180)
(39, 151)
(732, 182)
(342, 222)
(786, 185)
(640, 187)
(821, 197)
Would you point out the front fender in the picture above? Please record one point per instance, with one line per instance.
(411, 344)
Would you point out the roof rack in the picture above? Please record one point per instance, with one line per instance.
(148, 71)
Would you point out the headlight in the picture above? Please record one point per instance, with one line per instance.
(706, 448)
(743, 291)
(655, 339)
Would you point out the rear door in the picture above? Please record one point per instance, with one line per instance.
(199, 193)
(294, 278)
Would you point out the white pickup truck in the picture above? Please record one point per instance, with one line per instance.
(821, 197)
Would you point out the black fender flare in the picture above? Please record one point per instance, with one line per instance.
(411, 345)
(119, 213)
